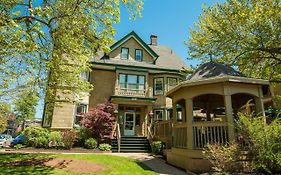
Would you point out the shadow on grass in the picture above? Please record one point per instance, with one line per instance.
(143, 166)
(31, 164)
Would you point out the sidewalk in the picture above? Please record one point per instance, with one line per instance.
(156, 164)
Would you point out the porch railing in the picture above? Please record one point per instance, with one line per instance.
(133, 92)
(163, 131)
(117, 134)
(180, 135)
(209, 132)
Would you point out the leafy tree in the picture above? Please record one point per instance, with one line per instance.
(100, 121)
(49, 42)
(243, 33)
(25, 105)
(4, 112)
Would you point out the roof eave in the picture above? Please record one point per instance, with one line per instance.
(212, 80)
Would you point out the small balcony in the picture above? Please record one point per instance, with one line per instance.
(133, 92)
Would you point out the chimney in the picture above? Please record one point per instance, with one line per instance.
(153, 40)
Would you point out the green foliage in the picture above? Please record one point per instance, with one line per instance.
(55, 39)
(105, 147)
(82, 135)
(3, 124)
(263, 141)
(19, 146)
(68, 138)
(91, 143)
(157, 147)
(224, 158)
(36, 136)
(41, 142)
(243, 33)
(55, 139)
(25, 105)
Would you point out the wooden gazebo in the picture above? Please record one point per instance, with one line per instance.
(204, 109)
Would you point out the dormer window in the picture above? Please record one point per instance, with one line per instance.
(124, 53)
(138, 55)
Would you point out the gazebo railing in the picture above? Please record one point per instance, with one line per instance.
(180, 135)
(209, 132)
(163, 131)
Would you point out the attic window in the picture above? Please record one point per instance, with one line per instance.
(138, 55)
(124, 53)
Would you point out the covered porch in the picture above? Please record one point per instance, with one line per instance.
(204, 112)
(133, 115)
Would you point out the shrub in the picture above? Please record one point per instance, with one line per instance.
(157, 147)
(82, 135)
(91, 143)
(68, 138)
(263, 142)
(55, 139)
(105, 147)
(224, 158)
(100, 121)
(36, 136)
(41, 142)
(19, 146)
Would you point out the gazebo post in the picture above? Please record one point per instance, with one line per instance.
(229, 117)
(259, 103)
(189, 120)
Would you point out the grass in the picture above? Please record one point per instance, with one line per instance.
(113, 165)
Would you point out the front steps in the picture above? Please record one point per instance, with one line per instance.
(131, 144)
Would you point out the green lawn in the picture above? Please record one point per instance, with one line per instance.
(113, 165)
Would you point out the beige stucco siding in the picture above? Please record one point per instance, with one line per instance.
(132, 44)
(104, 84)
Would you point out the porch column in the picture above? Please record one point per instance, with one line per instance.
(189, 121)
(229, 117)
(259, 103)
(174, 112)
(146, 120)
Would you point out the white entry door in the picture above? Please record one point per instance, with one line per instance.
(129, 124)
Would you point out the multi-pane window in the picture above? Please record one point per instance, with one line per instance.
(158, 86)
(172, 82)
(124, 53)
(80, 110)
(138, 55)
(158, 114)
(136, 82)
(85, 75)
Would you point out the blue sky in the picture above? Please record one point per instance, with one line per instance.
(169, 20)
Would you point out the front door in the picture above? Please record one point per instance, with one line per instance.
(129, 121)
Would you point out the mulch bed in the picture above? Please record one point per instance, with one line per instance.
(55, 151)
(67, 164)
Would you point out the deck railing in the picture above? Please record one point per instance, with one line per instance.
(163, 131)
(133, 92)
(180, 135)
(209, 132)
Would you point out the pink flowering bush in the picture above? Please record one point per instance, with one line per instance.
(100, 121)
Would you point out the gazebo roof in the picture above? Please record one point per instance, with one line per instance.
(212, 69)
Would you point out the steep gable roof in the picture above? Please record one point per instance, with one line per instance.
(138, 39)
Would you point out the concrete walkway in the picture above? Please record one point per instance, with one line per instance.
(156, 164)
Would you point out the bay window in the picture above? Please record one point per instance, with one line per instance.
(133, 82)
(172, 82)
(158, 86)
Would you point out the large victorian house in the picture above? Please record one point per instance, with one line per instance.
(135, 76)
